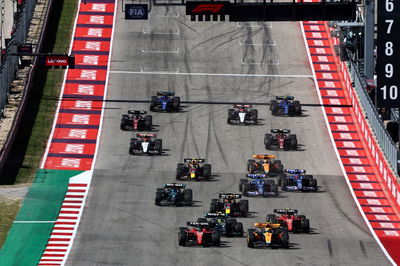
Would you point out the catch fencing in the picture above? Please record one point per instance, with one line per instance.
(9, 63)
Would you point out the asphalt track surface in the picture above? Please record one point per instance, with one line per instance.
(120, 223)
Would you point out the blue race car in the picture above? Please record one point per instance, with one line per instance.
(174, 194)
(223, 224)
(285, 105)
(258, 186)
(165, 101)
(297, 180)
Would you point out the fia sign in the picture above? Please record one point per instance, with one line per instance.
(139, 11)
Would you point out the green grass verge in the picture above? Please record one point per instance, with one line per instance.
(52, 81)
(32, 140)
(9, 209)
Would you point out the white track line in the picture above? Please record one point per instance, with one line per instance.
(145, 31)
(167, 16)
(175, 51)
(338, 155)
(209, 74)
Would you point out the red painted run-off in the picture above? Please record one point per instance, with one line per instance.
(74, 138)
(370, 177)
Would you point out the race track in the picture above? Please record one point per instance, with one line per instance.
(122, 226)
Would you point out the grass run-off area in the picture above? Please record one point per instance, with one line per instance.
(38, 120)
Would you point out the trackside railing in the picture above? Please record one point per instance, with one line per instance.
(385, 141)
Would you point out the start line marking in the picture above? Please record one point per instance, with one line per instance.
(209, 74)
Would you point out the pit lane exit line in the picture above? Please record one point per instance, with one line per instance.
(209, 74)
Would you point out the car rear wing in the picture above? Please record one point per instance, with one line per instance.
(284, 131)
(290, 98)
(255, 176)
(242, 106)
(189, 160)
(150, 135)
(295, 171)
(137, 112)
(230, 196)
(266, 225)
(165, 93)
(174, 185)
(214, 215)
(263, 156)
(198, 224)
(285, 211)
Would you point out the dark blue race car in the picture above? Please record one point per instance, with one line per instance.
(165, 101)
(297, 180)
(285, 105)
(174, 194)
(223, 224)
(258, 186)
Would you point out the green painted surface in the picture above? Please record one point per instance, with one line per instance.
(26, 241)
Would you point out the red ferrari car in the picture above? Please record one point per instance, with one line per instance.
(289, 217)
(200, 234)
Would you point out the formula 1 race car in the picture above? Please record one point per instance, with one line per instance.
(258, 186)
(193, 169)
(201, 233)
(280, 139)
(268, 235)
(226, 226)
(228, 205)
(266, 164)
(285, 105)
(135, 120)
(145, 144)
(165, 101)
(242, 115)
(174, 194)
(288, 217)
(297, 180)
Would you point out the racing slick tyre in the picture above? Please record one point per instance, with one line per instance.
(280, 180)
(158, 198)
(207, 171)
(242, 183)
(176, 103)
(271, 218)
(285, 239)
(250, 238)
(268, 141)
(148, 122)
(252, 168)
(239, 229)
(274, 188)
(202, 220)
(313, 183)
(188, 196)
(216, 238)
(293, 142)
(244, 208)
(305, 226)
(158, 146)
(278, 166)
(284, 183)
(230, 116)
(153, 103)
(245, 189)
(179, 171)
(182, 236)
(250, 162)
(254, 115)
(297, 107)
(213, 206)
(273, 107)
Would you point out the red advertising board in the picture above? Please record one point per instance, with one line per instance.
(52, 60)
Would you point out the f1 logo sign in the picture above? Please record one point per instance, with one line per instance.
(213, 8)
